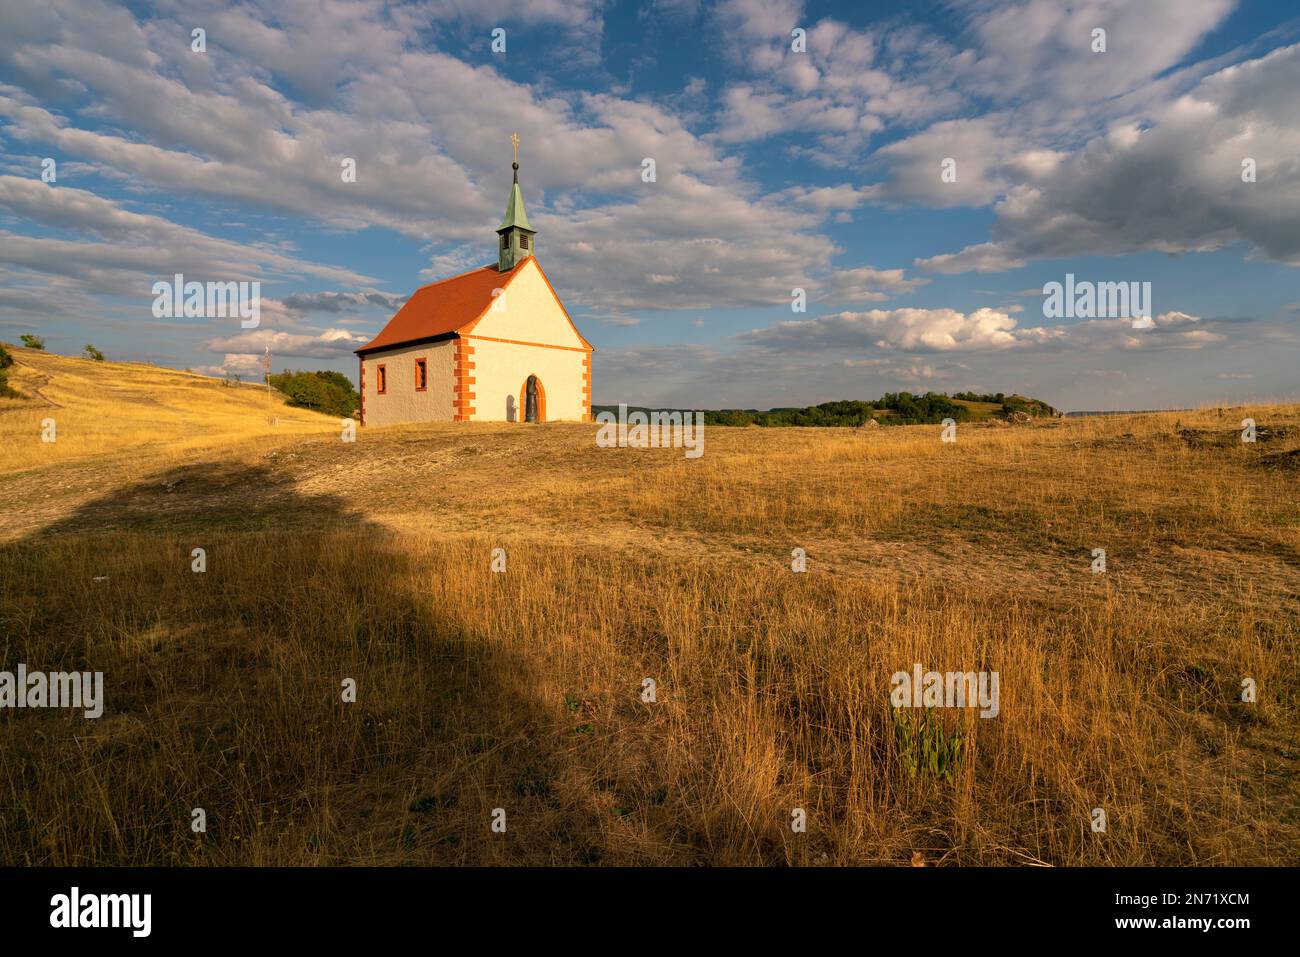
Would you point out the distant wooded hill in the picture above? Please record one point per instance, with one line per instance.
(893, 408)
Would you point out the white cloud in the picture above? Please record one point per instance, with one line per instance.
(923, 330)
(982, 257)
(330, 344)
(983, 330)
(216, 127)
(845, 87)
(862, 355)
(1171, 183)
(240, 365)
(337, 302)
(133, 242)
(864, 284)
(1043, 48)
(1137, 149)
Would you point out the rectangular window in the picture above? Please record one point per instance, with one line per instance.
(523, 240)
(421, 375)
(505, 243)
(381, 381)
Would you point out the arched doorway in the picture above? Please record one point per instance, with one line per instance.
(532, 400)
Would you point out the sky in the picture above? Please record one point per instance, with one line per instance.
(920, 170)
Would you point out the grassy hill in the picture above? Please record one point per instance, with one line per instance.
(119, 408)
(476, 690)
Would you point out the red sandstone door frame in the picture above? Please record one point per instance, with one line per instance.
(541, 399)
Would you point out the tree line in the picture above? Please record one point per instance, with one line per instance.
(892, 408)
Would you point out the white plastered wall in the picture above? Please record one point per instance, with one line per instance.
(502, 368)
(526, 333)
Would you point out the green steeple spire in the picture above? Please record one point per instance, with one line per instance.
(516, 242)
(516, 215)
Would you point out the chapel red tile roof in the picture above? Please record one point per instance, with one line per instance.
(442, 307)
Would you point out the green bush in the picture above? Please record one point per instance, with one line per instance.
(93, 353)
(31, 341)
(6, 360)
(326, 391)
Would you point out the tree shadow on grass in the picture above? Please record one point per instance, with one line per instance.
(224, 690)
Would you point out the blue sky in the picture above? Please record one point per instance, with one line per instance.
(776, 168)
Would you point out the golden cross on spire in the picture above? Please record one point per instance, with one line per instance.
(514, 139)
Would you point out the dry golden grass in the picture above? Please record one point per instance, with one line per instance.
(126, 409)
(522, 691)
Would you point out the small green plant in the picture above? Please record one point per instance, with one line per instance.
(93, 353)
(926, 747)
(31, 341)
